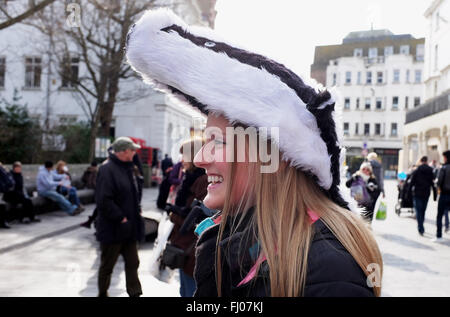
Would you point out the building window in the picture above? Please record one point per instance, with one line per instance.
(436, 50)
(379, 77)
(416, 101)
(420, 51)
(359, 78)
(348, 78)
(368, 77)
(2, 71)
(358, 52)
(347, 103)
(366, 129)
(67, 120)
(357, 103)
(334, 79)
(388, 50)
(373, 52)
(356, 128)
(394, 129)
(418, 76)
(379, 104)
(404, 49)
(437, 21)
(396, 78)
(406, 102)
(367, 104)
(395, 103)
(346, 128)
(33, 70)
(407, 75)
(70, 71)
(377, 128)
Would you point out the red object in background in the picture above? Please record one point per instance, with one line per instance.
(149, 155)
(145, 152)
(138, 141)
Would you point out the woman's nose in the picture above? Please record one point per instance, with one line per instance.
(200, 159)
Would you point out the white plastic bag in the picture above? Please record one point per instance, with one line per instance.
(164, 229)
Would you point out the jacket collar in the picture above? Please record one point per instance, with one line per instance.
(116, 160)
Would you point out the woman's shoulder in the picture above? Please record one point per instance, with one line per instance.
(332, 270)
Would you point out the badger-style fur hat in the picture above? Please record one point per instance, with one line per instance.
(198, 66)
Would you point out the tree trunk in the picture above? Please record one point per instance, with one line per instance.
(106, 111)
(93, 136)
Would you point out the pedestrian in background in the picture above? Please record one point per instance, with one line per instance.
(165, 164)
(281, 230)
(422, 183)
(47, 182)
(89, 177)
(175, 178)
(119, 224)
(443, 184)
(364, 188)
(435, 166)
(6, 184)
(65, 188)
(193, 186)
(19, 196)
(377, 170)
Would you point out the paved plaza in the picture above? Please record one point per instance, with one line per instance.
(57, 257)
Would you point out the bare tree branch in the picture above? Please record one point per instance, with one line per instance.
(32, 10)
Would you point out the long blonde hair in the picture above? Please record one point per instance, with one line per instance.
(59, 167)
(282, 227)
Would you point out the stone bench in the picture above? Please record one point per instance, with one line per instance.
(43, 205)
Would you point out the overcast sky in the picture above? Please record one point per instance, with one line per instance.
(288, 30)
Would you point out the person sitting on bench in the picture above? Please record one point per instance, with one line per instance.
(46, 187)
(18, 196)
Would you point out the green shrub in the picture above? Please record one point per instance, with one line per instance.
(19, 133)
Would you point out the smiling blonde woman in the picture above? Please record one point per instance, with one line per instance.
(289, 232)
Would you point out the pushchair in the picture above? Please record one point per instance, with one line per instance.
(405, 197)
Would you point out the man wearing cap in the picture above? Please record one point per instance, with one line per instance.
(119, 224)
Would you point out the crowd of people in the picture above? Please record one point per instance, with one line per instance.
(424, 179)
(182, 185)
(52, 182)
(240, 232)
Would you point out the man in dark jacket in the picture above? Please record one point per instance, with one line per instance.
(18, 196)
(6, 183)
(119, 224)
(165, 164)
(89, 177)
(421, 182)
(377, 171)
(444, 198)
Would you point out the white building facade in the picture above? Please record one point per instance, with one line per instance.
(158, 119)
(377, 86)
(427, 127)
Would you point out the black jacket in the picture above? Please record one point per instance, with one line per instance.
(185, 191)
(422, 181)
(17, 193)
(117, 196)
(18, 186)
(444, 179)
(332, 271)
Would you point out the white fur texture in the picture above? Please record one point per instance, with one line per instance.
(225, 85)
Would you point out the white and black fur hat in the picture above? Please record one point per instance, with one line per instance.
(197, 66)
